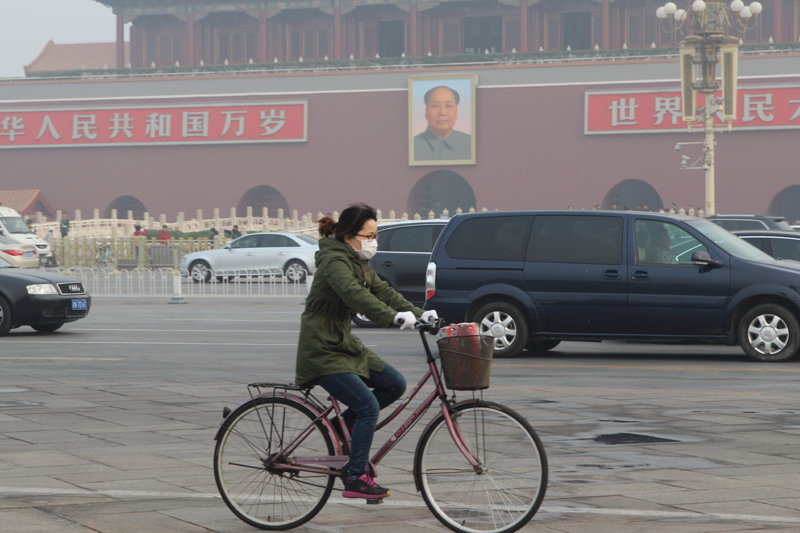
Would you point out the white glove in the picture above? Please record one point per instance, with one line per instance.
(429, 316)
(405, 320)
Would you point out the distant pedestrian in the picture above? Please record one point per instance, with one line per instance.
(164, 237)
(50, 260)
(214, 233)
(64, 225)
(235, 233)
(139, 231)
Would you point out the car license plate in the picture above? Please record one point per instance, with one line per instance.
(29, 254)
(78, 305)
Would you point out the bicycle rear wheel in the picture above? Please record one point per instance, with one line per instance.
(506, 488)
(265, 497)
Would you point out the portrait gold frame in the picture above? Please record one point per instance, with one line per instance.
(473, 79)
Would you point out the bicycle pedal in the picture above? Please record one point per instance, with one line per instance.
(374, 501)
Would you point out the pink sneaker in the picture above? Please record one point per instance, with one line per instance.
(364, 487)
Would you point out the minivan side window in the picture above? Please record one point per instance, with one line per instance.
(491, 238)
(751, 224)
(787, 249)
(385, 240)
(737, 224)
(412, 239)
(758, 242)
(663, 243)
(588, 240)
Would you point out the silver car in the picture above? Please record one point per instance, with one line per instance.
(19, 255)
(256, 254)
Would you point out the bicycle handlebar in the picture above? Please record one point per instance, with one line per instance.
(430, 327)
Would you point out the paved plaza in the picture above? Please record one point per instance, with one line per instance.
(107, 426)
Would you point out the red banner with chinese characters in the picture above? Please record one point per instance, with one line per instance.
(660, 111)
(154, 125)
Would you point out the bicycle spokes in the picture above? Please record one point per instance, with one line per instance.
(498, 494)
(250, 464)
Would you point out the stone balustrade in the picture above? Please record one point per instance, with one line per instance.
(118, 227)
(306, 223)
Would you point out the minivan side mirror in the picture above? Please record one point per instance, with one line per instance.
(704, 259)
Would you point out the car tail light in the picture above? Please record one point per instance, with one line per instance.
(13, 253)
(430, 281)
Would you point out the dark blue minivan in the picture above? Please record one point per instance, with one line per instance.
(532, 279)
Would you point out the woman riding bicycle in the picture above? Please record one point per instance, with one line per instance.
(330, 356)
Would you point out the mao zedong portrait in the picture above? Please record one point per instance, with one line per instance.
(440, 142)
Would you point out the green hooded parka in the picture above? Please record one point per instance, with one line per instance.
(343, 287)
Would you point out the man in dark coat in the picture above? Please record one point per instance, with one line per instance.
(64, 225)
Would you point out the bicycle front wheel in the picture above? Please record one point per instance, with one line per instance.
(506, 487)
(257, 492)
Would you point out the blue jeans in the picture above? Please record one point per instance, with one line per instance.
(364, 405)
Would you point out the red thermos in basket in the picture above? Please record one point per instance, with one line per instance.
(466, 356)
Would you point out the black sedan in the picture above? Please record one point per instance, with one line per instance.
(41, 300)
(778, 244)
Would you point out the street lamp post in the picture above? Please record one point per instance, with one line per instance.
(700, 53)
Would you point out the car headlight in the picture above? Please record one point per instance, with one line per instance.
(42, 288)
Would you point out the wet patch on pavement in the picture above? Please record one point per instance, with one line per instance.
(630, 438)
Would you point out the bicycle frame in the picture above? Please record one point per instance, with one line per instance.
(337, 462)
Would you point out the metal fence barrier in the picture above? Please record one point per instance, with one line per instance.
(127, 253)
(179, 283)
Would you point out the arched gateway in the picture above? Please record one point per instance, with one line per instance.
(786, 204)
(263, 196)
(439, 190)
(633, 194)
(126, 203)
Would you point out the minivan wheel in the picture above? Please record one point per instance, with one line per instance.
(506, 324)
(769, 333)
(539, 345)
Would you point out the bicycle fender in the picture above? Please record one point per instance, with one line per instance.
(433, 421)
(227, 419)
(293, 397)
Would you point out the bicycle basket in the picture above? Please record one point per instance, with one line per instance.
(466, 356)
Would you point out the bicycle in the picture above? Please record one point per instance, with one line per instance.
(480, 466)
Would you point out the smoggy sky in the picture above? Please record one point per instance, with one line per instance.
(27, 25)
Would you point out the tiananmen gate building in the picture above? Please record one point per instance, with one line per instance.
(240, 121)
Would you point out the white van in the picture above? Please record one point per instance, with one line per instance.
(13, 226)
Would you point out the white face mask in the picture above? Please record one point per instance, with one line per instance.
(368, 249)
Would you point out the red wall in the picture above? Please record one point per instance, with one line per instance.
(532, 153)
